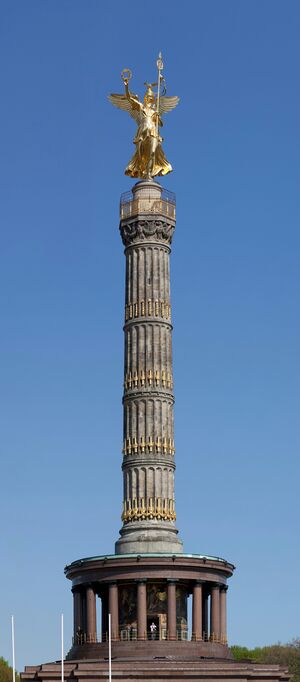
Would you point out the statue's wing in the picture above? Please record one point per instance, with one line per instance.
(166, 104)
(131, 105)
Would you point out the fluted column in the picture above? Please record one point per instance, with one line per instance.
(197, 611)
(172, 631)
(147, 225)
(141, 609)
(148, 386)
(215, 613)
(223, 614)
(113, 607)
(91, 624)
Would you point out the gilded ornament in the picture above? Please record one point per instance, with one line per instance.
(153, 508)
(149, 159)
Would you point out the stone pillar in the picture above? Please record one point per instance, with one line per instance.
(104, 617)
(172, 633)
(77, 615)
(113, 608)
(223, 614)
(91, 624)
(215, 613)
(197, 611)
(205, 598)
(83, 615)
(141, 610)
(148, 439)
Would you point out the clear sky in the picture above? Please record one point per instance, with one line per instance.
(234, 144)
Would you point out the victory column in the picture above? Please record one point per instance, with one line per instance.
(152, 577)
(144, 587)
(147, 226)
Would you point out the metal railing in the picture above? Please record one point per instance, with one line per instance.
(165, 205)
(130, 634)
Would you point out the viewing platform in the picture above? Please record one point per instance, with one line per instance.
(151, 199)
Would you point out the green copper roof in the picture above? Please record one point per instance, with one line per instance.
(158, 555)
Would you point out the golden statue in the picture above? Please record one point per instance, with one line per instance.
(149, 159)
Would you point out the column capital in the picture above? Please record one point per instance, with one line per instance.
(199, 582)
(170, 581)
(150, 231)
(224, 588)
(140, 581)
(215, 586)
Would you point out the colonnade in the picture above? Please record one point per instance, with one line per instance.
(209, 623)
(208, 611)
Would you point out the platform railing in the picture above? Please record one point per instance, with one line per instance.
(130, 634)
(146, 205)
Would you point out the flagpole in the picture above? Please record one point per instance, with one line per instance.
(109, 647)
(13, 648)
(62, 647)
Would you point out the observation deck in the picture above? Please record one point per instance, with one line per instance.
(148, 203)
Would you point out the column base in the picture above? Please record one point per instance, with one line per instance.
(148, 537)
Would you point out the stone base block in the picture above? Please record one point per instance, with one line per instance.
(150, 650)
(149, 537)
(175, 669)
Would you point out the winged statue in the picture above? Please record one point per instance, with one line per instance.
(149, 159)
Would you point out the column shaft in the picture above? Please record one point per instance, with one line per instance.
(142, 610)
(83, 615)
(215, 613)
(205, 632)
(197, 612)
(104, 617)
(76, 614)
(148, 433)
(91, 624)
(223, 615)
(113, 606)
(172, 610)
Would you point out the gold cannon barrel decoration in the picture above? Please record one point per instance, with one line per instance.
(152, 508)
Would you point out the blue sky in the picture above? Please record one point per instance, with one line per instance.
(234, 145)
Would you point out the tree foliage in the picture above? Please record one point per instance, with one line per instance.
(6, 672)
(287, 655)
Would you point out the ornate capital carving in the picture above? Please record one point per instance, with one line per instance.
(146, 230)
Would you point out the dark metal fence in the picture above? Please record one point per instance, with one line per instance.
(130, 634)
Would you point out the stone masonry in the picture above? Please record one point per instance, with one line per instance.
(147, 226)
